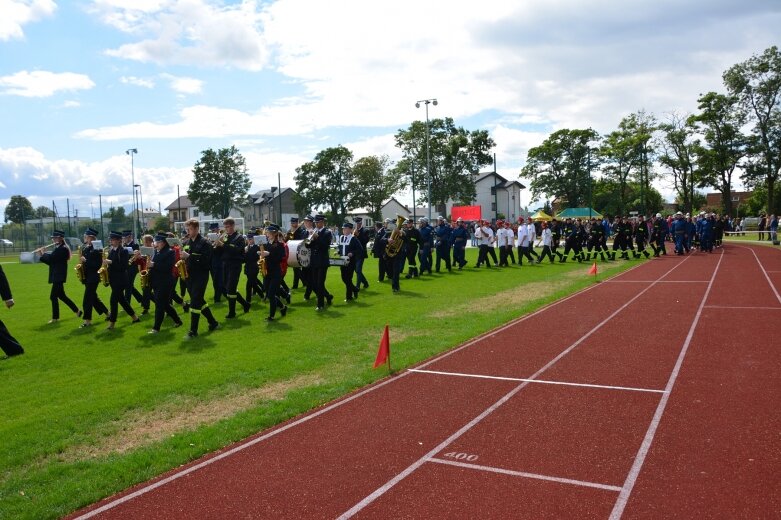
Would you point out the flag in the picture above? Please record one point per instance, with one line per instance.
(383, 354)
(593, 269)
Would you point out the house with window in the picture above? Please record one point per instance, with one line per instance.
(496, 196)
(273, 205)
(183, 209)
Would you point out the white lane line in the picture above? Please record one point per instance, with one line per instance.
(415, 465)
(252, 442)
(629, 483)
(541, 381)
(730, 307)
(524, 474)
(654, 281)
(769, 281)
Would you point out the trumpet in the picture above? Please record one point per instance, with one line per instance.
(313, 236)
(43, 249)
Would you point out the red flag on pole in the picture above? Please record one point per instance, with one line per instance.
(383, 354)
(593, 269)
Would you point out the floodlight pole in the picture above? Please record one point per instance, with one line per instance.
(428, 150)
(131, 152)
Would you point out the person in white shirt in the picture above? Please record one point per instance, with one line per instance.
(546, 239)
(486, 235)
(526, 235)
(532, 231)
(505, 239)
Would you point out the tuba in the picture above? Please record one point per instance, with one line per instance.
(395, 241)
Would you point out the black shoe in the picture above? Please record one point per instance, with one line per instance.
(246, 308)
(287, 299)
(178, 324)
(79, 313)
(365, 285)
(145, 311)
(191, 334)
(318, 309)
(269, 318)
(186, 307)
(137, 320)
(283, 311)
(213, 326)
(230, 316)
(329, 299)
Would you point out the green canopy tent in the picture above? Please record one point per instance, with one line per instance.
(541, 215)
(578, 213)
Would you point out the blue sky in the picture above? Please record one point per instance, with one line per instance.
(82, 81)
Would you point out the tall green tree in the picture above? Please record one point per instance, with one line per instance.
(456, 154)
(373, 182)
(117, 218)
(626, 156)
(324, 181)
(19, 209)
(719, 121)
(560, 166)
(43, 212)
(220, 181)
(756, 83)
(607, 200)
(679, 149)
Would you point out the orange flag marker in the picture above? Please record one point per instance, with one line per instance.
(593, 269)
(383, 354)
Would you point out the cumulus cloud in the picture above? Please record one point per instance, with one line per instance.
(17, 13)
(41, 83)
(28, 171)
(193, 32)
(184, 85)
(138, 82)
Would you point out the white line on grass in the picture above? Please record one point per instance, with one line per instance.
(629, 483)
(541, 381)
(145, 489)
(524, 474)
(415, 465)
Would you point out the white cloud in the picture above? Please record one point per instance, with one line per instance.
(27, 171)
(139, 82)
(71, 104)
(41, 83)
(184, 85)
(17, 13)
(192, 32)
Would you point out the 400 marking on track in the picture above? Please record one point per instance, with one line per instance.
(461, 456)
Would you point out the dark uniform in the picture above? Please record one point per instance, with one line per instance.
(118, 280)
(320, 247)
(394, 264)
(251, 270)
(232, 256)
(426, 244)
(460, 235)
(412, 236)
(57, 261)
(363, 237)
(276, 254)
(378, 250)
(8, 343)
(442, 232)
(131, 291)
(596, 236)
(350, 247)
(216, 269)
(298, 234)
(658, 233)
(93, 260)
(161, 278)
(199, 264)
(572, 241)
(641, 237)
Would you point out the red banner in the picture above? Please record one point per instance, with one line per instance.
(466, 212)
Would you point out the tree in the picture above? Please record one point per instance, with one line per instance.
(220, 181)
(624, 153)
(373, 182)
(117, 218)
(324, 182)
(679, 149)
(43, 212)
(160, 223)
(720, 120)
(756, 83)
(559, 166)
(457, 155)
(19, 209)
(607, 201)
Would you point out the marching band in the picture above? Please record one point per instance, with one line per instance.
(264, 255)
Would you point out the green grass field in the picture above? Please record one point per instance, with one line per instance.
(89, 412)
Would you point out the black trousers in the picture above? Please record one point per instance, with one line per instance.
(298, 277)
(57, 294)
(443, 253)
(196, 286)
(117, 299)
(231, 271)
(394, 265)
(347, 272)
(216, 272)
(162, 296)
(272, 283)
(131, 291)
(8, 343)
(91, 301)
(319, 274)
(253, 286)
(524, 251)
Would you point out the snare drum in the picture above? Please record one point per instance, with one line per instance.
(299, 254)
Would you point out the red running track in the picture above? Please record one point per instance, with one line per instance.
(651, 395)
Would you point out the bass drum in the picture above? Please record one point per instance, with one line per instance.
(298, 254)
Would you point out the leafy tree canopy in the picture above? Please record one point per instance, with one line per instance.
(19, 209)
(373, 182)
(220, 181)
(324, 181)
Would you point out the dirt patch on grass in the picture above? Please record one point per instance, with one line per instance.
(515, 297)
(141, 428)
